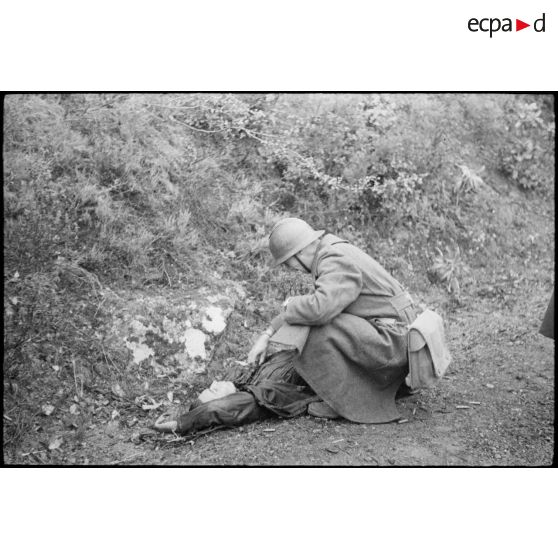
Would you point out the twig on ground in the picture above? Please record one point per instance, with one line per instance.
(196, 129)
(126, 458)
(168, 278)
(196, 435)
(75, 377)
(32, 453)
(99, 307)
(107, 360)
(170, 107)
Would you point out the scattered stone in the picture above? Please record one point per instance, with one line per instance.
(214, 322)
(140, 352)
(55, 442)
(47, 409)
(194, 342)
(118, 391)
(112, 428)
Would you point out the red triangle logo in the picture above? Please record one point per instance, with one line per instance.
(519, 25)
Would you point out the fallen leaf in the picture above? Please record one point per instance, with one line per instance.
(55, 368)
(114, 414)
(111, 428)
(55, 442)
(170, 396)
(490, 386)
(74, 409)
(118, 391)
(47, 409)
(146, 407)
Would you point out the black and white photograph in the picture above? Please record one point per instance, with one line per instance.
(278, 279)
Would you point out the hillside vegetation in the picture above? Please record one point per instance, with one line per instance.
(167, 193)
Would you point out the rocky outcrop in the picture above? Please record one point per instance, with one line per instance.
(171, 336)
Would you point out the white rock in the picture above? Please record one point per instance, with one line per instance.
(139, 351)
(194, 341)
(214, 322)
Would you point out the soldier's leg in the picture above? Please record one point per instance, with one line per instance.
(235, 409)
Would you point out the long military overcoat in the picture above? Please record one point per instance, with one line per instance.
(355, 356)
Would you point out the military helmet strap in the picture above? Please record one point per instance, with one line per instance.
(301, 263)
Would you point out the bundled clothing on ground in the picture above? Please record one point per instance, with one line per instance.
(274, 390)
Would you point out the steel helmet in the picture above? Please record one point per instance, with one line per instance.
(289, 236)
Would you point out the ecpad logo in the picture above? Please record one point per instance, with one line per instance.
(494, 24)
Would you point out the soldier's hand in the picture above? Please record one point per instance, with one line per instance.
(259, 350)
(285, 302)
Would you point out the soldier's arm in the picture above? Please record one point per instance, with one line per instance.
(338, 284)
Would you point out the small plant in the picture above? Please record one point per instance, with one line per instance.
(447, 269)
(470, 181)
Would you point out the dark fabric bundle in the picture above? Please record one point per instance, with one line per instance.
(275, 389)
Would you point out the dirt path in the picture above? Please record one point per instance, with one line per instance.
(495, 407)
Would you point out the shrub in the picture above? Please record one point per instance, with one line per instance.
(528, 156)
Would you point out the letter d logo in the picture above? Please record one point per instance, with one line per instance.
(536, 24)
